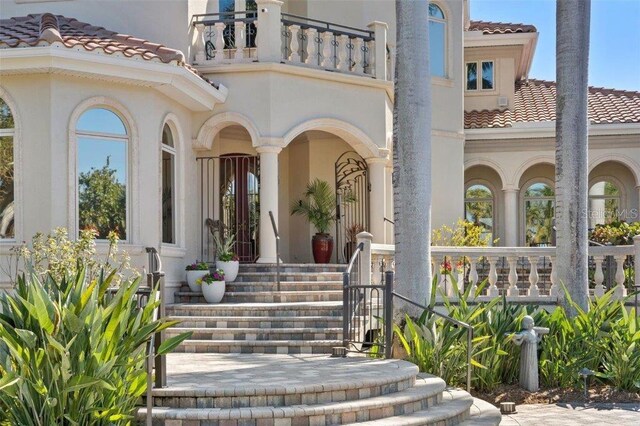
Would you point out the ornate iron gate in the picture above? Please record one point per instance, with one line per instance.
(229, 201)
(352, 202)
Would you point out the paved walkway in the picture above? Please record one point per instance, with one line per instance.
(574, 415)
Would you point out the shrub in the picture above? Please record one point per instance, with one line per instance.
(462, 234)
(72, 351)
(197, 266)
(616, 233)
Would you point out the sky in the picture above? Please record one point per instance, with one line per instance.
(614, 53)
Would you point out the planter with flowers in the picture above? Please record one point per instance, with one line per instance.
(213, 286)
(227, 259)
(196, 271)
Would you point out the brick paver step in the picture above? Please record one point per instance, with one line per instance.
(289, 276)
(259, 346)
(292, 267)
(291, 309)
(284, 286)
(266, 296)
(426, 393)
(260, 334)
(453, 409)
(258, 322)
(483, 414)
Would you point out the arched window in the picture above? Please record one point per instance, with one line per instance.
(168, 186)
(539, 211)
(478, 208)
(437, 41)
(7, 224)
(102, 170)
(604, 203)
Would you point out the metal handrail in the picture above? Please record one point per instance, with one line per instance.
(225, 17)
(275, 232)
(353, 258)
(454, 321)
(155, 279)
(290, 19)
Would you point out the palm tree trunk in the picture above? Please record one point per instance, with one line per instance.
(412, 154)
(572, 57)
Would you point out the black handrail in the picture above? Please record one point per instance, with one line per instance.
(275, 232)
(469, 328)
(290, 19)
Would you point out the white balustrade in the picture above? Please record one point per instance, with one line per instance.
(294, 56)
(343, 54)
(327, 49)
(533, 291)
(241, 40)
(218, 44)
(513, 277)
(357, 55)
(200, 54)
(598, 276)
(312, 47)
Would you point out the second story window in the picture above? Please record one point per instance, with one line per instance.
(437, 41)
(480, 75)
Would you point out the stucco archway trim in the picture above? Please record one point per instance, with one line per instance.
(18, 168)
(628, 162)
(487, 163)
(133, 165)
(533, 161)
(216, 123)
(351, 134)
(179, 139)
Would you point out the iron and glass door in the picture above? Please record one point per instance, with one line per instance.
(230, 203)
(352, 202)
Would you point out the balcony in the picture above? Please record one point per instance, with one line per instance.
(276, 37)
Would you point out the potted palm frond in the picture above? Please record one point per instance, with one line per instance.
(352, 240)
(319, 207)
(227, 259)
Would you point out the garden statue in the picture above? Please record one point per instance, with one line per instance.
(529, 338)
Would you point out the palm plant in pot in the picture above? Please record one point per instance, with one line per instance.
(227, 259)
(196, 271)
(319, 207)
(213, 286)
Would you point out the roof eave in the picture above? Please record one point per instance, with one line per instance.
(174, 81)
(547, 129)
(528, 41)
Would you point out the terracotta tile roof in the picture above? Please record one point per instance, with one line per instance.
(43, 29)
(500, 27)
(535, 101)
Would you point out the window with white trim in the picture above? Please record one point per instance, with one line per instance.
(437, 41)
(102, 173)
(480, 75)
(168, 186)
(7, 185)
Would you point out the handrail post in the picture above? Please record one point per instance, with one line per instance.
(365, 257)
(160, 361)
(469, 340)
(388, 314)
(346, 316)
(269, 37)
(277, 235)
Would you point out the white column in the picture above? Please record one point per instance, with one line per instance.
(510, 217)
(269, 27)
(380, 48)
(268, 201)
(377, 199)
(200, 56)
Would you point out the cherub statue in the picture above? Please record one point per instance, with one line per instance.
(529, 338)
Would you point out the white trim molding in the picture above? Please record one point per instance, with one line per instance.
(18, 170)
(214, 124)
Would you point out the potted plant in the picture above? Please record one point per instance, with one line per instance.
(352, 240)
(213, 286)
(194, 272)
(319, 207)
(227, 259)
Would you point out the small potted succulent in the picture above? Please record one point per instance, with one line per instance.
(213, 286)
(227, 259)
(196, 271)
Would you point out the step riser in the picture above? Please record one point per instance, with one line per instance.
(240, 348)
(266, 324)
(296, 277)
(281, 400)
(291, 268)
(266, 298)
(219, 311)
(346, 417)
(284, 286)
(228, 334)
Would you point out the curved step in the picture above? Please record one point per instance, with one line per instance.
(288, 276)
(284, 286)
(483, 414)
(453, 410)
(257, 334)
(259, 346)
(264, 296)
(258, 322)
(426, 393)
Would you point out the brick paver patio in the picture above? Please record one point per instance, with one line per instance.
(574, 415)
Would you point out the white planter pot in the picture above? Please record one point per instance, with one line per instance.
(192, 276)
(213, 292)
(230, 269)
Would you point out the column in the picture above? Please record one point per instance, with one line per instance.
(269, 27)
(380, 48)
(510, 217)
(268, 201)
(377, 199)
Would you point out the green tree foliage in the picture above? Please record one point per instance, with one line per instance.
(102, 202)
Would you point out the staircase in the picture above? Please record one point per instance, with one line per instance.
(260, 358)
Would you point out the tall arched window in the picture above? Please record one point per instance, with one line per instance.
(168, 186)
(478, 208)
(539, 211)
(7, 195)
(604, 203)
(437, 41)
(102, 170)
